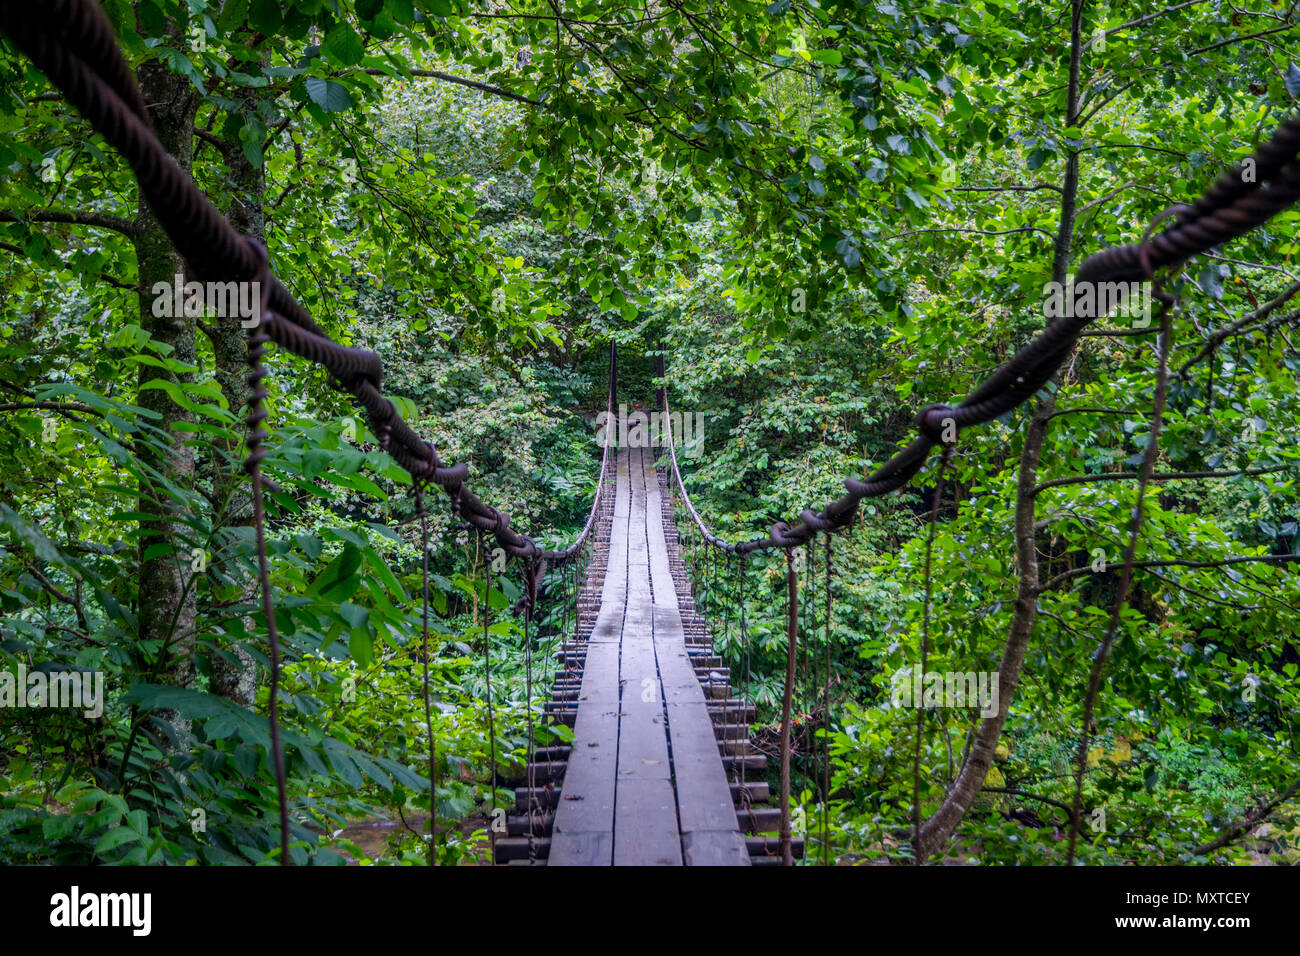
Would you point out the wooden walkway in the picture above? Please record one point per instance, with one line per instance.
(645, 784)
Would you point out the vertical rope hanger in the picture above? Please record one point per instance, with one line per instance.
(742, 700)
(925, 651)
(528, 709)
(808, 705)
(1168, 303)
(728, 621)
(787, 700)
(826, 716)
(257, 414)
(428, 706)
(492, 733)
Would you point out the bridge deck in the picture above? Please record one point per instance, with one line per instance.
(645, 784)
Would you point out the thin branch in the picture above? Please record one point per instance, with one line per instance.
(1250, 265)
(1217, 337)
(462, 81)
(1014, 792)
(1179, 563)
(1005, 189)
(1159, 476)
(111, 280)
(1249, 36)
(1154, 149)
(60, 407)
(76, 217)
(976, 232)
(1139, 21)
(1091, 411)
(1235, 831)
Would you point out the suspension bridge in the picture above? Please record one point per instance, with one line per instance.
(657, 771)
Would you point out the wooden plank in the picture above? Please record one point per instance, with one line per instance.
(613, 588)
(707, 816)
(638, 556)
(661, 579)
(583, 833)
(600, 676)
(706, 810)
(715, 848)
(677, 673)
(594, 848)
(608, 628)
(645, 832)
(622, 490)
(645, 824)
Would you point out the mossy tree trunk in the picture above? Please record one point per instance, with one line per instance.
(167, 609)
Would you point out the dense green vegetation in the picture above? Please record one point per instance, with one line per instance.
(824, 216)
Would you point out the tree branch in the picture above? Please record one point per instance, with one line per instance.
(461, 81)
(976, 232)
(1178, 563)
(1159, 476)
(1235, 831)
(111, 280)
(76, 217)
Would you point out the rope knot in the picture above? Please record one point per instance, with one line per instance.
(938, 423)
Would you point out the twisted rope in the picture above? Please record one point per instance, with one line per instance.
(73, 43)
(1230, 208)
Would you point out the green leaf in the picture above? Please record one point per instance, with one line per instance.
(339, 580)
(22, 531)
(1211, 281)
(115, 838)
(310, 544)
(265, 16)
(361, 646)
(343, 46)
(138, 821)
(328, 95)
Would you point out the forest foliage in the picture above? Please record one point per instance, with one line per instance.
(824, 216)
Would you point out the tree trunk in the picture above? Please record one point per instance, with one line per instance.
(237, 681)
(166, 592)
(939, 828)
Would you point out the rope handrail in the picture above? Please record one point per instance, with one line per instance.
(567, 553)
(1234, 205)
(704, 529)
(74, 44)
